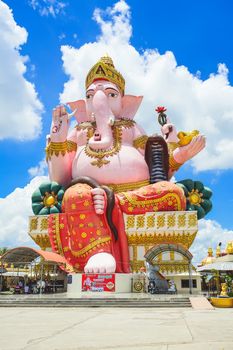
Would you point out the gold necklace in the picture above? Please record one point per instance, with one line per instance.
(100, 155)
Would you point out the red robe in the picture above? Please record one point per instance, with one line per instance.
(78, 232)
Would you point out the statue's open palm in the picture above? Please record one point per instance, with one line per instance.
(184, 153)
(60, 124)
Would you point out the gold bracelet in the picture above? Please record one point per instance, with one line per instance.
(59, 148)
(71, 146)
(173, 165)
(140, 142)
(172, 146)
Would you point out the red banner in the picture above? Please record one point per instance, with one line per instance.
(99, 282)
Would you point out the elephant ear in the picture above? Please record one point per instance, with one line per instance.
(81, 113)
(130, 105)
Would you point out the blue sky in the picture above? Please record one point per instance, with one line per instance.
(185, 48)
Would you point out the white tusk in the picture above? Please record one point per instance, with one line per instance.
(70, 115)
(111, 121)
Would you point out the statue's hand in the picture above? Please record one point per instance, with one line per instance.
(60, 124)
(182, 154)
(169, 132)
(98, 199)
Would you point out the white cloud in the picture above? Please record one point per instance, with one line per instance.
(48, 7)
(209, 235)
(39, 170)
(15, 209)
(20, 113)
(192, 103)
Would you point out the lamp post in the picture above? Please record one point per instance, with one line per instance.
(190, 278)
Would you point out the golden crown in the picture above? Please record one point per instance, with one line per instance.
(104, 69)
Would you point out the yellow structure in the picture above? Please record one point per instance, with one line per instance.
(223, 262)
(222, 302)
(221, 256)
(38, 231)
(148, 230)
(176, 229)
(209, 259)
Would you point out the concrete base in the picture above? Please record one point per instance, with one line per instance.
(123, 282)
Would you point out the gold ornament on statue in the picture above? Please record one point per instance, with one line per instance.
(99, 155)
(104, 69)
(195, 197)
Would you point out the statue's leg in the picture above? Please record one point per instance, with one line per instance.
(82, 232)
(85, 238)
(162, 196)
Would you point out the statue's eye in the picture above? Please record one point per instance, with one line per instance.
(89, 96)
(112, 94)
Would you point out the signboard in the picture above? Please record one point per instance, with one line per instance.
(99, 282)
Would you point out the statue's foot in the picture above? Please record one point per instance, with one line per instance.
(101, 263)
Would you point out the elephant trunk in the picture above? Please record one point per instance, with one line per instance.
(102, 138)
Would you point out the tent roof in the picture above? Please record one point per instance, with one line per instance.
(220, 266)
(22, 255)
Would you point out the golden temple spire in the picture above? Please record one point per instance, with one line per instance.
(209, 259)
(218, 251)
(210, 252)
(229, 248)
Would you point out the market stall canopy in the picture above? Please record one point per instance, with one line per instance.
(25, 255)
(219, 266)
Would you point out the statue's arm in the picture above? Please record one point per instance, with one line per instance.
(60, 148)
(139, 138)
(179, 154)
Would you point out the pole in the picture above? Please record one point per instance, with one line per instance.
(218, 282)
(54, 274)
(190, 278)
(41, 276)
(1, 275)
(18, 275)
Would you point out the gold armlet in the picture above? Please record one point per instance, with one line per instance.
(140, 142)
(56, 148)
(173, 165)
(171, 147)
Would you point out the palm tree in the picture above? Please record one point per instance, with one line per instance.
(3, 250)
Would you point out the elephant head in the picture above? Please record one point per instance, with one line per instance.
(104, 104)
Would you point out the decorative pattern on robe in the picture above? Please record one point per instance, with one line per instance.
(78, 233)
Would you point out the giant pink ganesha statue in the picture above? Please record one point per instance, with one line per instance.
(109, 167)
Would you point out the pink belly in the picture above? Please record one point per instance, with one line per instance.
(126, 166)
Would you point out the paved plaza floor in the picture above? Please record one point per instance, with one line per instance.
(119, 328)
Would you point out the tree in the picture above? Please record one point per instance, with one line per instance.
(3, 250)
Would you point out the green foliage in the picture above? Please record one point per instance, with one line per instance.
(228, 280)
(3, 250)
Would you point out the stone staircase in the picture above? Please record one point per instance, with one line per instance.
(113, 302)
